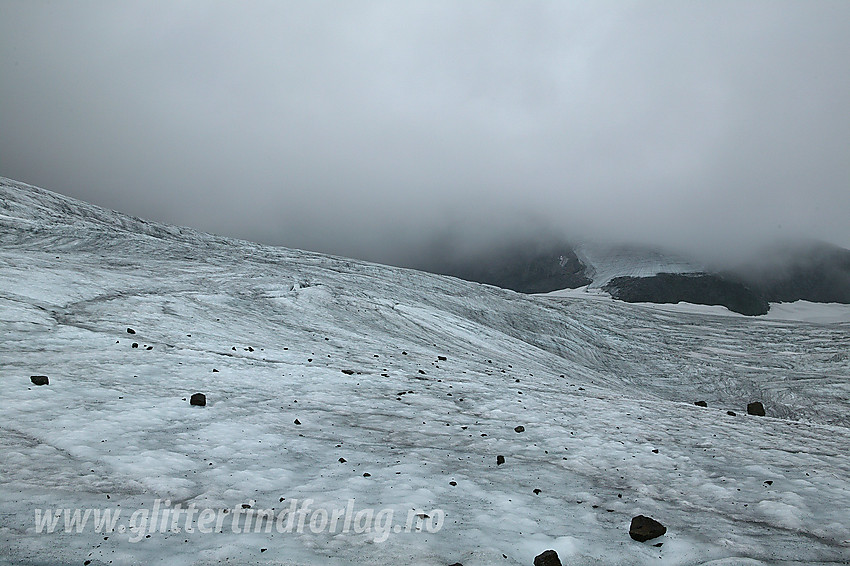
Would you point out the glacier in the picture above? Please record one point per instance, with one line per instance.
(405, 386)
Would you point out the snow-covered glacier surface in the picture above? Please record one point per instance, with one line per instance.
(406, 387)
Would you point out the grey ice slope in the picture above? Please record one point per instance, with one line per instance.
(598, 386)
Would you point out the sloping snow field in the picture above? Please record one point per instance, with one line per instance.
(605, 262)
(352, 352)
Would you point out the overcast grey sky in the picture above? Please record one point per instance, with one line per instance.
(363, 128)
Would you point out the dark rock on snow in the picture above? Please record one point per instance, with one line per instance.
(520, 428)
(130, 331)
(500, 460)
(547, 558)
(644, 528)
(701, 404)
(198, 399)
(755, 408)
(39, 380)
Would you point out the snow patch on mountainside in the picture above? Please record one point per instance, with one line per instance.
(605, 262)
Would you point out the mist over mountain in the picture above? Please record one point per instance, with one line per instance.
(800, 270)
(812, 271)
(528, 266)
(369, 131)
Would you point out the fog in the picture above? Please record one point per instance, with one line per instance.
(373, 129)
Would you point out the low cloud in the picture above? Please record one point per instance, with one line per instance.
(374, 129)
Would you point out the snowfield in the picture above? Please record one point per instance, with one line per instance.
(604, 263)
(353, 352)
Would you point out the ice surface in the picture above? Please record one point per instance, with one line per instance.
(605, 262)
(605, 394)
